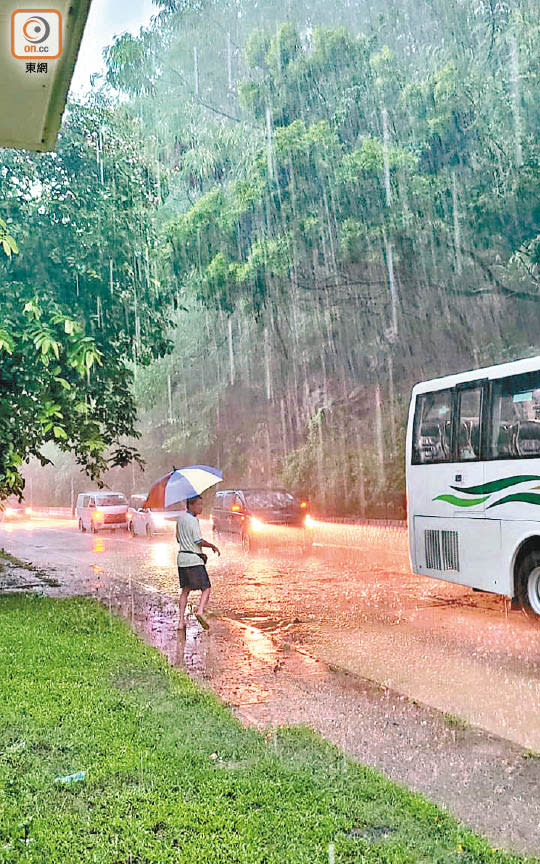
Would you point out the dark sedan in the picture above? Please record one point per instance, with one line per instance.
(262, 517)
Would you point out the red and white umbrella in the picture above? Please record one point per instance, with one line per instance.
(179, 485)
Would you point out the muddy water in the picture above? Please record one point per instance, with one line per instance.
(486, 781)
(353, 603)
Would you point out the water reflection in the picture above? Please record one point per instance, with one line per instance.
(259, 646)
(161, 554)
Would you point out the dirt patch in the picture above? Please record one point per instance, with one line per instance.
(17, 575)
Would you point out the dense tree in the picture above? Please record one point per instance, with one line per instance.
(348, 202)
(80, 307)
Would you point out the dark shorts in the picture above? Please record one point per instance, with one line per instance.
(195, 578)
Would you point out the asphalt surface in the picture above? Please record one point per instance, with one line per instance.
(352, 602)
(432, 683)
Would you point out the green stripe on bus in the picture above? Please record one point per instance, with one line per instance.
(495, 485)
(524, 497)
(463, 502)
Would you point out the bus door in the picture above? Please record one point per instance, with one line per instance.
(465, 492)
(477, 538)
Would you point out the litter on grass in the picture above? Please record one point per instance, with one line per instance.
(71, 778)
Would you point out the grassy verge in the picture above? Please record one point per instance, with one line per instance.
(171, 776)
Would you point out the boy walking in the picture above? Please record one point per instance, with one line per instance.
(191, 561)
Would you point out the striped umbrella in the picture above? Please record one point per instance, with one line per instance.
(179, 485)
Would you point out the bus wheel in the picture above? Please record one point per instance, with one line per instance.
(528, 587)
(82, 529)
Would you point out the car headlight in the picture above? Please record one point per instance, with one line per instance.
(159, 521)
(98, 515)
(256, 524)
(10, 511)
(28, 510)
(308, 521)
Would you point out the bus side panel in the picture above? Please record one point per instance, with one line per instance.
(465, 551)
(514, 489)
(513, 498)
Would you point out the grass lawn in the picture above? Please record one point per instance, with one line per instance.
(171, 775)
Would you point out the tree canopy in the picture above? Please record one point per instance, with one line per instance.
(317, 204)
(80, 307)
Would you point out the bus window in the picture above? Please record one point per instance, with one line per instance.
(468, 428)
(515, 417)
(432, 426)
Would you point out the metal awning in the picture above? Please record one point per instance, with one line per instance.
(40, 42)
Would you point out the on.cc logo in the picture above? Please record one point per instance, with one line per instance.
(36, 29)
(36, 33)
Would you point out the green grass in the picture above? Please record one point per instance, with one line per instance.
(455, 722)
(531, 754)
(172, 777)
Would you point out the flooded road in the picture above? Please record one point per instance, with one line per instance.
(352, 602)
(287, 631)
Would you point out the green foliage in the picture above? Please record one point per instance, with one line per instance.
(335, 197)
(324, 184)
(78, 300)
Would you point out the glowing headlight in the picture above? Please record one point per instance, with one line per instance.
(10, 511)
(159, 521)
(308, 521)
(256, 524)
(28, 510)
(98, 515)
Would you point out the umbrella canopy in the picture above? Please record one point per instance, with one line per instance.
(179, 485)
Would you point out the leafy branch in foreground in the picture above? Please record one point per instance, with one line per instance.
(54, 386)
(80, 305)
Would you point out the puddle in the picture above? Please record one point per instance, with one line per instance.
(267, 682)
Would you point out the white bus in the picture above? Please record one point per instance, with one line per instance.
(473, 480)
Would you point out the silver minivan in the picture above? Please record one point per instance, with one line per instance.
(98, 510)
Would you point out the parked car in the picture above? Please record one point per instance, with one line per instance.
(14, 510)
(262, 517)
(146, 522)
(98, 510)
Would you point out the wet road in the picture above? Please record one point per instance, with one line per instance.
(351, 602)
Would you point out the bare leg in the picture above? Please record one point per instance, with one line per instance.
(183, 602)
(203, 600)
(199, 614)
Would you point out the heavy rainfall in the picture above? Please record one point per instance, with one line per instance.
(266, 230)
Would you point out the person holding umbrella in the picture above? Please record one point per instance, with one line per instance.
(169, 493)
(192, 562)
